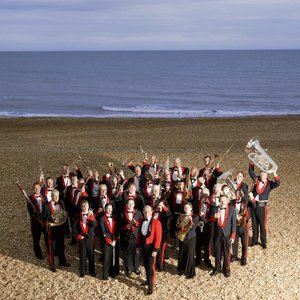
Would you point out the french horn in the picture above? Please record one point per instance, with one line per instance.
(259, 157)
(59, 217)
(184, 224)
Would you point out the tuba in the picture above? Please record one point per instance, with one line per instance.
(260, 157)
(184, 223)
(59, 217)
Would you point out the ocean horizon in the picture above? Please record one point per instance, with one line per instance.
(150, 84)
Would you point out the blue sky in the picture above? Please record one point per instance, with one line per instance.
(149, 24)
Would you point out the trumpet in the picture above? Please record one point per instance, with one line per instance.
(75, 162)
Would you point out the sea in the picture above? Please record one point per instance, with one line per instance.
(150, 84)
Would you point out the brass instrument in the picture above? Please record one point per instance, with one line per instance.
(184, 223)
(111, 167)
(59, 217)
(260, 157)
(74, 163)
(188, 185)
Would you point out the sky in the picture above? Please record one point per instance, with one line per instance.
(29, 25)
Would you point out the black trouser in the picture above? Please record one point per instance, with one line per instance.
(259, 226)
(160, 260)
(110, 260)
(222, 248)
(36, 230)
(254, 223)
(203, 241)
(243, 234)
(131, 258)
(86, 250)
(149, 264)
(56, 240)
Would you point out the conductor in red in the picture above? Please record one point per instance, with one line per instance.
(149, 240)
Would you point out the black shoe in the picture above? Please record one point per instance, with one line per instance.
(53, 269)
(197, 262)
(180, 272)
(190, 276)
(73, 242)
(144, 283)
(227, 274)
(214, 272)
(232, 259)
(264, 246)
(65, 264)
(160, 268)
(208, 264)
(39, 256)
(137, 272)
(253, 244)
(244, 261)
(81, 275)
(93, 274)
(128, 273)
(105, 278)
(150, 291)
(167, 256)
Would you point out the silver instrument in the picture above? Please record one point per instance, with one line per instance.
(259, 156)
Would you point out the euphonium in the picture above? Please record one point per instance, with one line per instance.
(260, 157)
(184, 223)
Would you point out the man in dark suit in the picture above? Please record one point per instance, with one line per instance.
(224, 222)
(84, 233)
(149, 239)
(259, 198)
(37, 224)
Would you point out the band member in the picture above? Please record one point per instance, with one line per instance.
(131, 193)
(155, 197)
(110, 250)
(178, 172)
(242, 229)
(162, 213)
(166, 183)
(84, 232)
(153, 167)
(37, 224)
(224, 222)
(204, 228)
(48, 188)
(193, 177)
(210, 173)
(148, 187)
(137, 179)
(130, 222)
(56, 234)
(198, 189)
(149, 240)
(63, 181)
(92, 186)
(176, 203)
(259, 198)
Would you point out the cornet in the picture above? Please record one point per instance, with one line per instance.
(260, 157)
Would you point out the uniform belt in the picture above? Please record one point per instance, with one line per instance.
(261, 204)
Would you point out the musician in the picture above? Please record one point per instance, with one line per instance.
(148, 187)
(110, 250)
(56, 234)
(130, 221)
(186, 259)
(149, 239)
(260, 198)
(153, 168)
(198, 190)
(176, 203)
(37, 225)
(178, 172)
(242, 229)
(48, 189)
(166, 183)
(162, 213)
(224, 222)
(63, 181)
(210, 173)
(131, 193)
(92, 186)
(84, 233)
(137, 179)
(155, 197)
(203, 231)
(193, 177)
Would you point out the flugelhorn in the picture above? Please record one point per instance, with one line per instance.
(260, 157)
